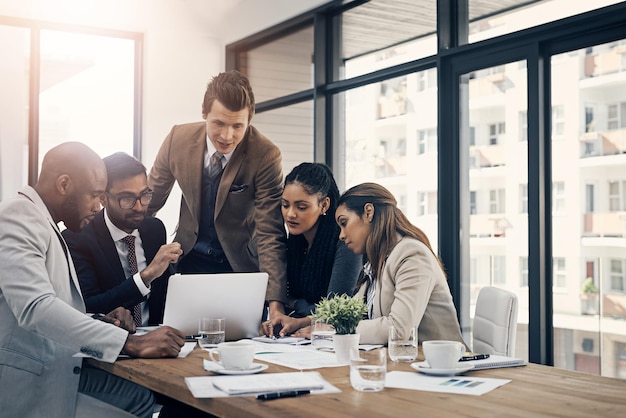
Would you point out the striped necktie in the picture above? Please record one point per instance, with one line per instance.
(215, 165)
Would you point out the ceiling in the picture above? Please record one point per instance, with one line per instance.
(379, 24)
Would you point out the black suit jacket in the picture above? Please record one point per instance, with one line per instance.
(102, 280)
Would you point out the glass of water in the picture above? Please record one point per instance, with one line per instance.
(402, 343)
(212, 331)
(322, 335)
(368, 370)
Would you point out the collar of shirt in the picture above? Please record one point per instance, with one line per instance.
(116, 233)
(210, 150)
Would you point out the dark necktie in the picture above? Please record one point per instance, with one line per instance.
(215, 165)
(132, 264)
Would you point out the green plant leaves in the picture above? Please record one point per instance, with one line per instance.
(342, 312)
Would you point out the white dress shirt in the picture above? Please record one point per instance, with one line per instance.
(122, 251)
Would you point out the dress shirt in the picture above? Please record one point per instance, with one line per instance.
(122, 251)
(210, 150)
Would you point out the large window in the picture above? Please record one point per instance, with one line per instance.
(590, 245)
(14, 82)
(389, 139)
(86, 88)
(506, 152)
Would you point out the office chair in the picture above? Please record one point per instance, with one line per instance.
(495, 322)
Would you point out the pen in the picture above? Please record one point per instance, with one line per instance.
(192, 337)
(278, 395)
(474, 357)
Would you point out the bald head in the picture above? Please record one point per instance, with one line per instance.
(72, 179)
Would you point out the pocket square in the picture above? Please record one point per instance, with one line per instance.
(238, 188)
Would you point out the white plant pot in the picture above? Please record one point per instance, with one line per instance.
(345, 345)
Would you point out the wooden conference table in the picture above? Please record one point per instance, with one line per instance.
(534, 391)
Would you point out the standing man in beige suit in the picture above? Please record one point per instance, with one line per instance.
(230, 176)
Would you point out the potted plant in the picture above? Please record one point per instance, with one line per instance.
(589, 297)
(343, 313)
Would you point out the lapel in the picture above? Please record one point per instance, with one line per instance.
(193, 159)
(230, 171)
(107, 245)
(68, 255)
(149, 243)
(32, 195)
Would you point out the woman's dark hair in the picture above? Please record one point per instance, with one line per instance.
(308, 274)
(387, 221)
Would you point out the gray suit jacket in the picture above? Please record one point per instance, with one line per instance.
(42, 316)
(247, 217)
(412, 291)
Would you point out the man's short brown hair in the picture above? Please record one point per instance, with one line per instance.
(233, 90)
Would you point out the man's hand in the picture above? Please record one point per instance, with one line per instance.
(283, 325)
(277, 309)
(162, 342)
(166, 255)
(121, 317)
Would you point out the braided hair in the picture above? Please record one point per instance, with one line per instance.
(308, 274)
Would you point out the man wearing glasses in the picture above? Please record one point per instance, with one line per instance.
(121, 257)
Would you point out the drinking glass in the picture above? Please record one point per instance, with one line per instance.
(322, 335)
(368, 370)
(402, 343)
(212, 331)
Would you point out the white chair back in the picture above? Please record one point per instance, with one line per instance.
(495, 322)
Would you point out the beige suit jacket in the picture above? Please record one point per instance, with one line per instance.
(248, 221)
(412, 291)
(42, 320)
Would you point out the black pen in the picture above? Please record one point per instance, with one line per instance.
(474, 357)
(278, 395)
(192, 337)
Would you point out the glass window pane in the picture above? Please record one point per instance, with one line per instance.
(589, 227)
(14, 85)
(387, 141)
(291, 129)
(86, 92)
(382, 33)
(498, 193)
(491, 18)
(280, 67)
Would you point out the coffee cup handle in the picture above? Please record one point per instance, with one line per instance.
(211, 352)
(461, 350)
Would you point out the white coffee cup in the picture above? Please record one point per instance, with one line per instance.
(236, 355)
(441, 354)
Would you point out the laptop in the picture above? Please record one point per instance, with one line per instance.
(237, 297)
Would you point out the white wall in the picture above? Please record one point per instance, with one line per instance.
(252, 16)
(184, 43)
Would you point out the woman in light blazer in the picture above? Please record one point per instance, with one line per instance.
(403, 282)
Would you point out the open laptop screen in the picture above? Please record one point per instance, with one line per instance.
(237, 297)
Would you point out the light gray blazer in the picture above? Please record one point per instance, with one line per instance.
(42, 319)
(412, 291)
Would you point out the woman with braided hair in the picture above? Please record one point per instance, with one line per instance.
(318, 263)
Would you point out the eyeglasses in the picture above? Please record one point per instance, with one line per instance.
(128, 202)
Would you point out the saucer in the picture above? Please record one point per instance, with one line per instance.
(214, 367)
(424, 367)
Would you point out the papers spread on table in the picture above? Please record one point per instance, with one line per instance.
(302, 359)
(449, 384)
(299, 357)
(224, 386)
(282, 340)
(495, 362)
(186, 349)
